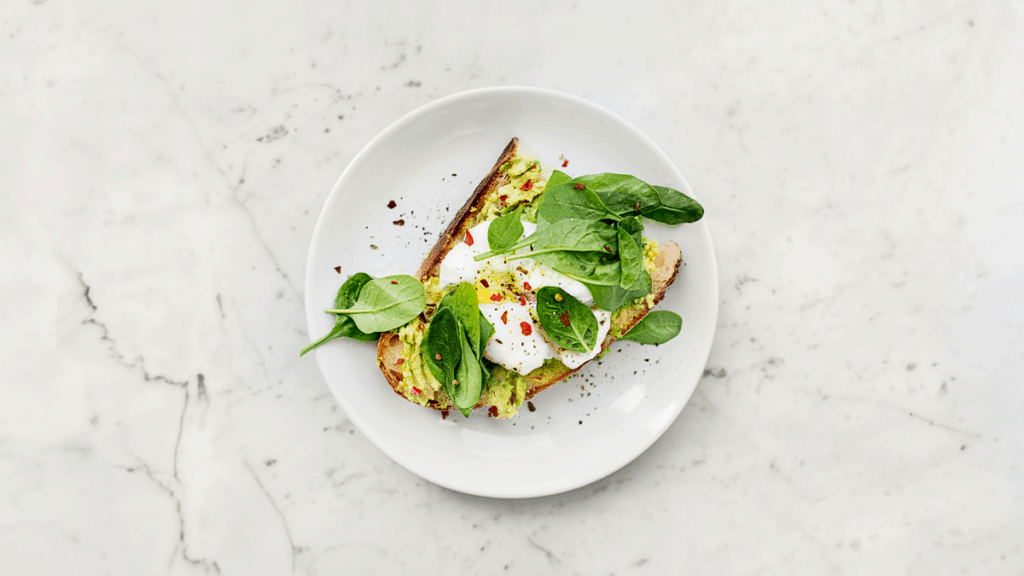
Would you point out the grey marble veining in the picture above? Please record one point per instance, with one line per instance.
(162, 167)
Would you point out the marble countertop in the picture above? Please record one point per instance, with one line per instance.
(162, 166)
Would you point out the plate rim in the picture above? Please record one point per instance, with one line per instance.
(417, 113)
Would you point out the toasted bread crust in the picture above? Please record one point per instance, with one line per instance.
(389, 347)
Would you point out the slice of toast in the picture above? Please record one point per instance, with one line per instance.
(389, 347)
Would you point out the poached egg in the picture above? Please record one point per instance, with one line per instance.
(518, 342)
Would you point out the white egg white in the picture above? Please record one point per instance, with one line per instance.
(509, 346)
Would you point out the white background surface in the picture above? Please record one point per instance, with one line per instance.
(162, 167)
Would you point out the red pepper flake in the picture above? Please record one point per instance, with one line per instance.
(444, 414)
(526, 328)
(469, 238)
(522, 300)
(394, 281)
(399, 361)
(578, 186)
(607, 248)
(337, 269)
(636, 207)
(399, 222)
(504, 317)
(392, 204)
(564, 164)
(417, 391)
(495, 297)
(521, 269)
(492, 411)
(527, 186)
(564, 318)
(485, 284)
(534, 167)
(503, 198)
(437, 356)
(527, 286)
(421, 326)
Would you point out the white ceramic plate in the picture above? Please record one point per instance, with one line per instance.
(429, 162)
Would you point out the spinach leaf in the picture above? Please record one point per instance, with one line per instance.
(442, 346)
(462, 302)
(623, 193)
(563, 201)
(344, 326)
(676, 208)
(465, 390)
(572, 235)
(656, 328)
(557, 177)
(587, 267)
(566, 320)
(569, 235)
(386, 303)
(631, 257)
(611, 298)
(505, 231)
(486, 331)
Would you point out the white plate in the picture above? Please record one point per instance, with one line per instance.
(624, 402)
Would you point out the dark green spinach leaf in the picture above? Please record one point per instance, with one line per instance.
(464, 391)
(562, 201)
(344, 326)
(505, 231)
(623, 193)
(442, 346)
(676, 207)
(631, 258)
(657, 327)
(386, 303)
(566, 320)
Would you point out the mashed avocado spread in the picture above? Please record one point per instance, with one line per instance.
(506, 390)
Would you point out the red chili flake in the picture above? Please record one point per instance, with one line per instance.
(337, 269)
(578, 186)
(399, 361)
(607, 248)
(495, 297)
(636, 207)
(437, 356)
(564, 164)
(527, 286)
(394, 281)
(527, 186)
(421, 326)
(526, 328)
(417, 391)
(521, 269)
(504, 317)
(469, 238)
(492, 411)
(564, 318)
(503, 197)
(513, 399)
(399, 222)
(484, 282)
(522, 300)
(444, 414)
(392, 204)
(534, 167)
